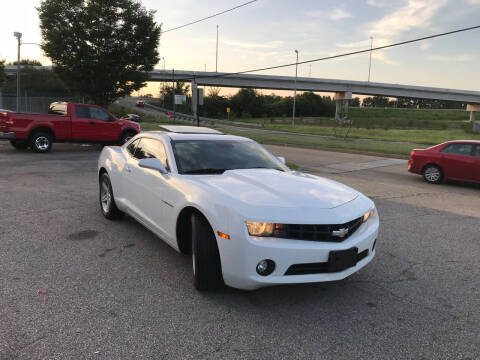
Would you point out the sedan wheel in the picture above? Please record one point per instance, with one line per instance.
(432, 174)
(107, 201)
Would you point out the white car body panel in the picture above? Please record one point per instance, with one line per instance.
(229, 200)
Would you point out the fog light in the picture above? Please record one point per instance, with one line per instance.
(265, 267)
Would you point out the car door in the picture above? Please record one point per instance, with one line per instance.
(106, 128)
(147, 189)
(458, 162)
(477, 163)
(82, 125)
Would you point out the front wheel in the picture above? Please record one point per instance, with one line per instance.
(41, 142)
(432, 174)
(207, 269)
(107, 201)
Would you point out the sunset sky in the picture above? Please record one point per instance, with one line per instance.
(267, 32)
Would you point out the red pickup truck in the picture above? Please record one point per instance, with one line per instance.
(65, 122)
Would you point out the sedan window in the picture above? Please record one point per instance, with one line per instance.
(477, 154)
(132, 147)
(151, 148)
(459, 149)
(217, 156)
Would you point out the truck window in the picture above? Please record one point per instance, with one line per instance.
(82, 111)
(99, 114)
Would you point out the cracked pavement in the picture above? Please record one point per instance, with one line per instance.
(115, 291)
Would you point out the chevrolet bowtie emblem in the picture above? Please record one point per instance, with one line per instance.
(340, 233)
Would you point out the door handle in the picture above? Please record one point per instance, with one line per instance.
(92, 122)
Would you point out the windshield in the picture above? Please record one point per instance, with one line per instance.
(217, 156)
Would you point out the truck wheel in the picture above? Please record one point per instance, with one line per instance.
(41, 142)
(126, 137)
(19, 144)
(107, 201)
(207, 269)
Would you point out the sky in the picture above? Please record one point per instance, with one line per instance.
(266, 33)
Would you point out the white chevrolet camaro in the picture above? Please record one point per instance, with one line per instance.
(247, 220)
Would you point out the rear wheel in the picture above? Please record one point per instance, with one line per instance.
(432, 174)
(41, 142)
(207, 269)
(107, 201)
(19, 144)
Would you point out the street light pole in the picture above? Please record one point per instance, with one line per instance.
(370, 65)
(18, 35)
(163, 85)
(216, 55)
(295, 91)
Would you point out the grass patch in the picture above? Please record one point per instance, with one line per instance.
(292, 165)
(376, 147)
(417, 136)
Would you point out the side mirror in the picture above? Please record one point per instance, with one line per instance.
(152, 164)
(282, 159)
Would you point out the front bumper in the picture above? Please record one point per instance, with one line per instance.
(240, 256)
(7, 136)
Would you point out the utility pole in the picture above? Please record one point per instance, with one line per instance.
(163, 84)
(216, 56)
(18, 35)
(370, 65)
(310, 71)
(173, 85)
(295, 91)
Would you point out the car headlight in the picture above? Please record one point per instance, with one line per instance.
(260, 228)
(369, 214)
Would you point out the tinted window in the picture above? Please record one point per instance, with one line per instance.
(96, 113)
(82, 111)
(459, 149)
(150, 148)
(477, 154)
(216, 156)
(132, 146)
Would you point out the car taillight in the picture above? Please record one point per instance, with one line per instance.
(9, 121)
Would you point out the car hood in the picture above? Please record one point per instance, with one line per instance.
(272, 188)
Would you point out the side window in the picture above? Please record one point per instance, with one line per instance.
(459, 149)
(82, 111)
(132, 147)
(96, 113)
(150, 148)
(477, 154)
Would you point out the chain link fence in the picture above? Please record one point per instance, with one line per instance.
(32, 104)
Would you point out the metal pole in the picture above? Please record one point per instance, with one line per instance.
(310, 71)
(216, 56)
(370, 65)
(18, 72)
(173, 84)
(295, 91)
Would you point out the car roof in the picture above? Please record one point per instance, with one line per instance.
(192, 136)
(182, 129)
(462, 141)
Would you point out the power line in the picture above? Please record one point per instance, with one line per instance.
(209, 17)
(339, 55)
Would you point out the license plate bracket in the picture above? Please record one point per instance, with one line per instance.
(339, 260)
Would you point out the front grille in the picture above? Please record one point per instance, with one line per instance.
(322, 233)
(317, 268)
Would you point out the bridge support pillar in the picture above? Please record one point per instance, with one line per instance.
(473, 111)
(341, 111)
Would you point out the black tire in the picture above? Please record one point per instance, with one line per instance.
(126, 136)
(108, 207)
(19, 144)
(432, 174)
(207, 269)
(41, 142)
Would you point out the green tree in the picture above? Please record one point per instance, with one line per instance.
(100, 49)
(30, 62)
(3, 76)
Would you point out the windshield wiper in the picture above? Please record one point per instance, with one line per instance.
(204, 171)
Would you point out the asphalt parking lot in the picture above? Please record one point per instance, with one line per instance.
(115, 291)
